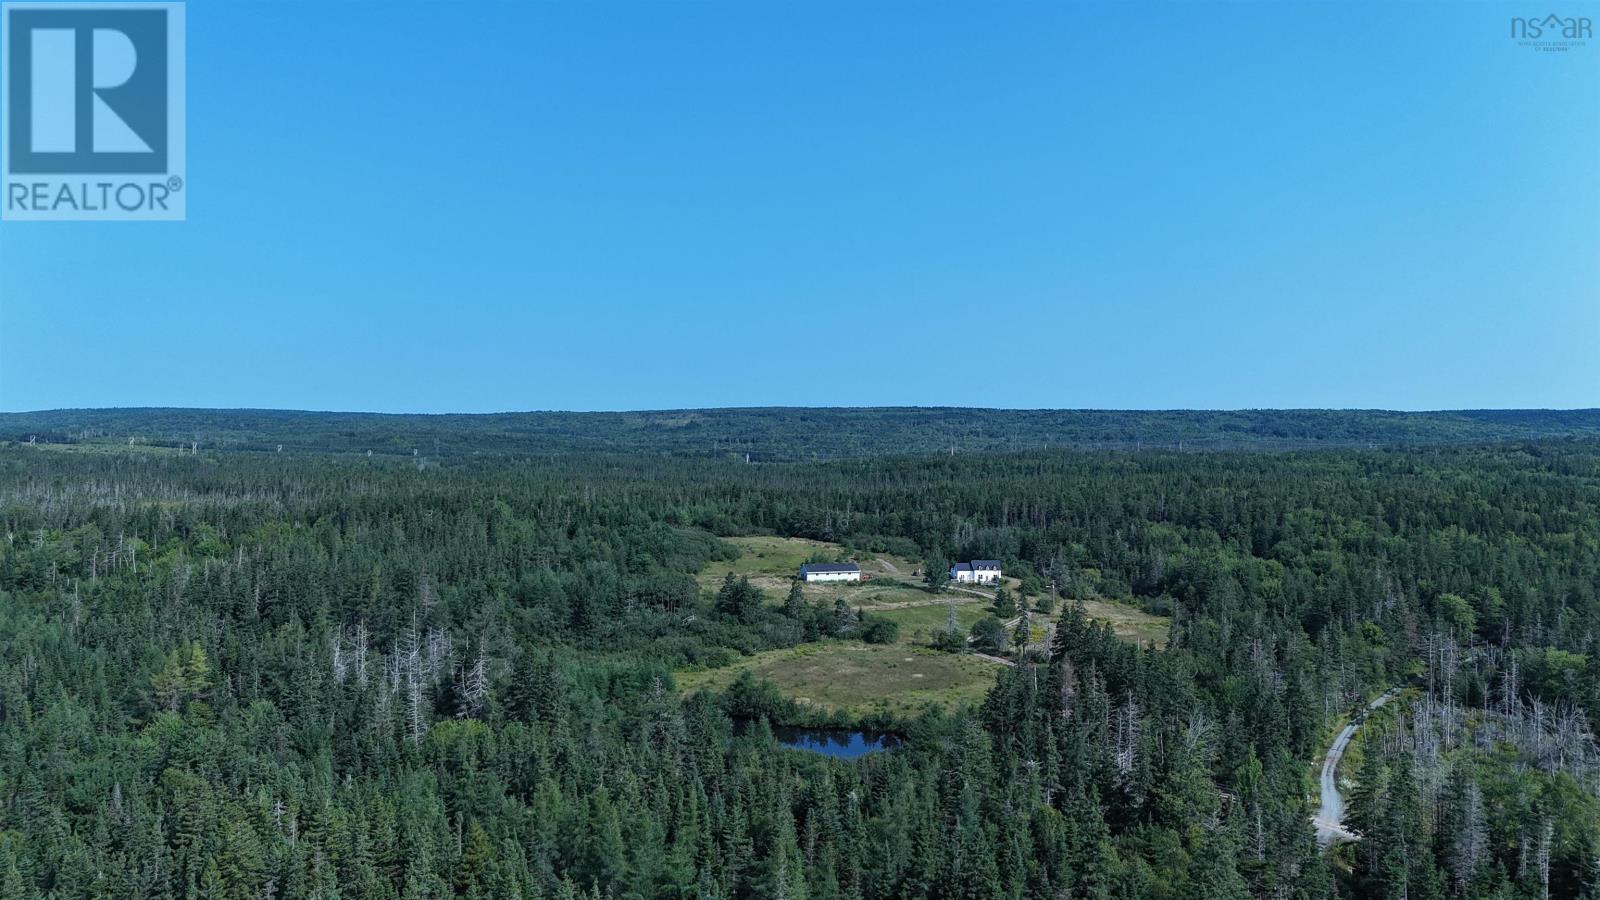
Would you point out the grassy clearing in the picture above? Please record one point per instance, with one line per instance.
(1130, 623)
(874, 595)
(772, 562)
(918, 622)
(899, 678)
(859, 679)
(770, 556)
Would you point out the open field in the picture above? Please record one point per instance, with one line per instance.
(876, 596)
(860, 678)
(781, 557)
(924, 615)
(898, 678)
(1131, 623)
(771, 563)
(916, 622)
(766, 556)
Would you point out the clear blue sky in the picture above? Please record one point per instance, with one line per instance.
(457, 206)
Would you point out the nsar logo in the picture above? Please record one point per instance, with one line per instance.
(1552, 33)
(93, 127)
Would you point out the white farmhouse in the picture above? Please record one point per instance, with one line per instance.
(830, 572)
(979, 571)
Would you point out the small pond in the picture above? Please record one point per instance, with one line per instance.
(840, 743)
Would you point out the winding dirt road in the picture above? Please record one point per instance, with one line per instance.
(1329, 818)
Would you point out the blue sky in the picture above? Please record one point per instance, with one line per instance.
(458, 206)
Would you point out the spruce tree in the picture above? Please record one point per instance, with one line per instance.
(1214, 871)
(795, 605)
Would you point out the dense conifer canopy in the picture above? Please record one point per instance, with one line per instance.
(235, 673)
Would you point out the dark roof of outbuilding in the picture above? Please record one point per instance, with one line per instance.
(828, 568)
(961, 567)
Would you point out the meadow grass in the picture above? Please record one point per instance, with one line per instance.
(860, 679)
(856, 678)
(1130, 623)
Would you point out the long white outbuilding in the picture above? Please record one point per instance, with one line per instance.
(830, 572)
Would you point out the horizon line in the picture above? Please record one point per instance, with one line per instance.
(801, 408)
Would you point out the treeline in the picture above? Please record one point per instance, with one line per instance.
(783, 434)
(247, 675)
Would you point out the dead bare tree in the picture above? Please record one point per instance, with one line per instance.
(359, 649)
(1472, 838)
(475, 685)
(1546, 832)
(1068, 678)
(416, 715)
(1127, 735)
(337, 640)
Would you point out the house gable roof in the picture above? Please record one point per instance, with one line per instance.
(829, 568)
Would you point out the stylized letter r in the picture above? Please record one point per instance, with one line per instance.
(55, 91)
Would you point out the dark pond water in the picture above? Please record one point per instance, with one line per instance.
(839, 743)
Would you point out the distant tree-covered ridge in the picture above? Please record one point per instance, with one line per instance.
(782, 433)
